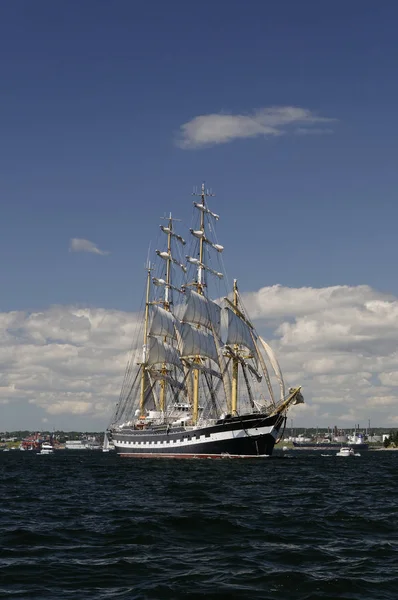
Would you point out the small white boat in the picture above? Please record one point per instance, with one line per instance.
(46, 448)
(347, 451)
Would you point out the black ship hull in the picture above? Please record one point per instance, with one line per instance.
(248, 436)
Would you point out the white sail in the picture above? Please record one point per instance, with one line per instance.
(105, 446)
(160, 352)
(201, 311)
(265, 371)
(239, 332)
(196, 342)
(163, 322)
(275, 365)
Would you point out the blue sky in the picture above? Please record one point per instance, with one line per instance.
(111, 112)
(93, 95)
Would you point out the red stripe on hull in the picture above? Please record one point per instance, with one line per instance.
(163, 455)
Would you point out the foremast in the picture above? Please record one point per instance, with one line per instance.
(168, 287)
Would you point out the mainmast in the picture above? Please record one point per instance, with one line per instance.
(199, 289)
(168, 269)
(200, 283)
(235, 362)
(144, 376)
(166, 304)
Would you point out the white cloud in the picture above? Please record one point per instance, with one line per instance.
(65, 361)
(389, 379)
(340, 343)
(220, 128)
(277, 301)
(82, 245)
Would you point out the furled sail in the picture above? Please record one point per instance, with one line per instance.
(156, 375)
(201, 311)
(195, 342)
(205, 369)
(163, 323)
(160, 352)
(239, 332)
(275, 365)
(226, 380)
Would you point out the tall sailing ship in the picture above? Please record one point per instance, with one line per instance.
(202, 386)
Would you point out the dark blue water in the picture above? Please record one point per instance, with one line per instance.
(90, 525)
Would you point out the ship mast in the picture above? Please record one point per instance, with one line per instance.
(166, 304)
(235, 362)
(144, 377)
(200, 283)
(199, 289)
(168, 287)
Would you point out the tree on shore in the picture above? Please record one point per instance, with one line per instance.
(392, 440)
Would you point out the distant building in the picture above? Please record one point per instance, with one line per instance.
(75, 445)
(375, 438)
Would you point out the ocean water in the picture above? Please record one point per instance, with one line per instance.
(88, 525)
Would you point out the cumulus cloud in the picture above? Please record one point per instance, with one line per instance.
(340, 343)
(82, 245)
(65, 360)
(220, 128)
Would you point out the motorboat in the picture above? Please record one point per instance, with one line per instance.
(347, 451)
(46, 448)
